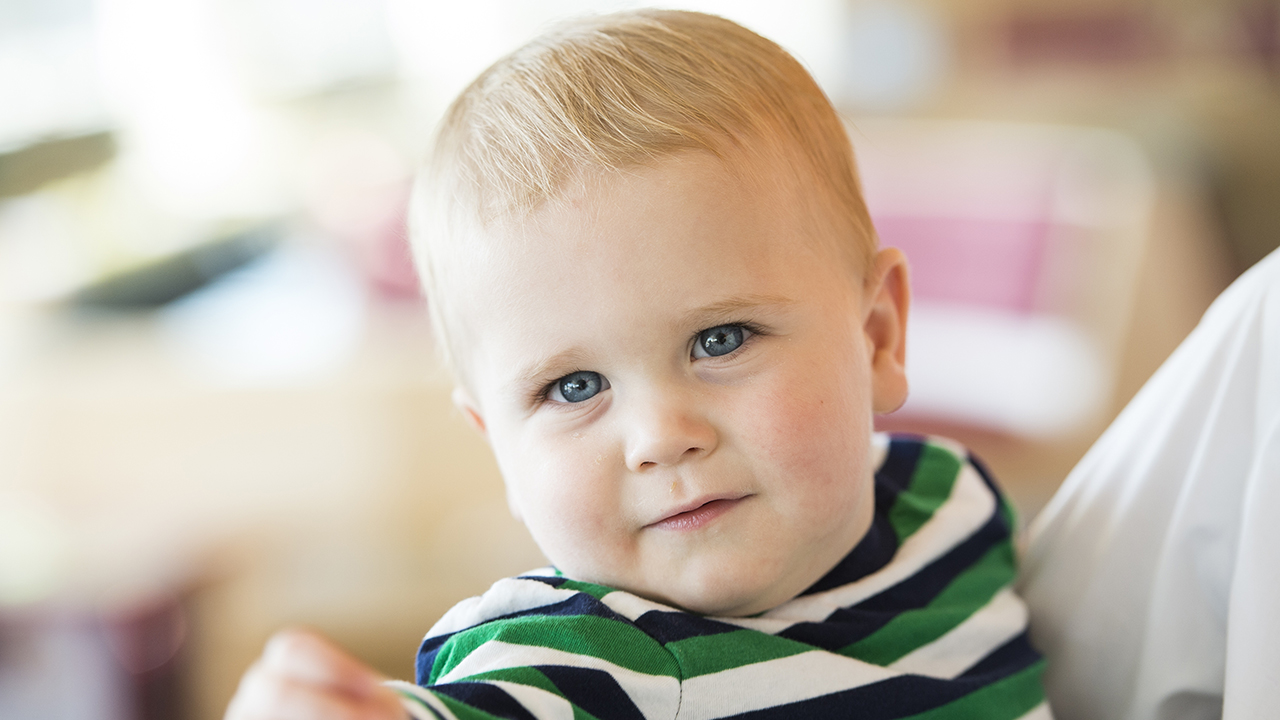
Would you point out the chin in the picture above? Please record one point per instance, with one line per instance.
(729, 607)
(725, 599)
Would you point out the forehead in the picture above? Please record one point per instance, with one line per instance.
(761, 200)
(687, 233)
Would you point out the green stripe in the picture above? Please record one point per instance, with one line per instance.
(617, 642)
(463, 711)
(520, 675)
(966, 594)
(580, 714)
(420, 702)
(596, 591)
(713, 653)
(1006, 699)
(1010, 514)
(936, 472)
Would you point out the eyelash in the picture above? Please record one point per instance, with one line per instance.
(542, 396)
(751, 329)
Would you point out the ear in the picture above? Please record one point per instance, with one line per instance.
(470, 411)
(886, 301)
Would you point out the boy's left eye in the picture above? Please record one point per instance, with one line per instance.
(719, 340)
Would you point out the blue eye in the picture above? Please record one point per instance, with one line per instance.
(719, 340)
(578, 386)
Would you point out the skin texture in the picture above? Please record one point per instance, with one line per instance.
(618, 277)
(766, 446)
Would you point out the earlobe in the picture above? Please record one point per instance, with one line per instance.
(887, 302)
(470, 412)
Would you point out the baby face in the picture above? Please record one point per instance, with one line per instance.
(678, 383)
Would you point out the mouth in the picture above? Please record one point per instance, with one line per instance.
(697, 515)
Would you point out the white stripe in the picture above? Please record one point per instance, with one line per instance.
(995, 624)
(966, 510)
(775, 682)
(960, 452)
(1039, 712)
(764, 624)
(507, 596)
(879, 450)
(540, 703)
(631, 606)
(415, 709)
(655, 695)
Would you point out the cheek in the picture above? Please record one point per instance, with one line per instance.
(817, 435)
(560, 492)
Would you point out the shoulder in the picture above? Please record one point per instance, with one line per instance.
(536, 619)
(544, 641)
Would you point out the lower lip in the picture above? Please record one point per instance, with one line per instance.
(698, 517)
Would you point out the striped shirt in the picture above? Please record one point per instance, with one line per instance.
(919, 620)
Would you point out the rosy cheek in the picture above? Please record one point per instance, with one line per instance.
(813, 438)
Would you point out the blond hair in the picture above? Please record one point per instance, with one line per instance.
(614, 92)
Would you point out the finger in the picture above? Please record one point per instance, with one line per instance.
(384, 702)
(308, 658)
(265, 696)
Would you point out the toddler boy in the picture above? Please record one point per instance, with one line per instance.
(652, 271)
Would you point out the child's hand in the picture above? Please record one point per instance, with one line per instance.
(302, 676)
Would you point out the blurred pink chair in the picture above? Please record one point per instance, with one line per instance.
(1024, 244)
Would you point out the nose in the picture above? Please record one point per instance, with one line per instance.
(668, 430)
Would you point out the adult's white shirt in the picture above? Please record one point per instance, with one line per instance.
(1153, 576)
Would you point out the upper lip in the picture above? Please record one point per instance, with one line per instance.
(697, 503)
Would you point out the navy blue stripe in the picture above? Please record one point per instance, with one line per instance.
(872, 553)
(595, 691)
(578, 604)
(899, 465)
(1004, 660)
(897, 697)
(554, 580)
(434, 713)
(846, 626)
(667, 627)
(879, 545)
(990, 481)
(920, 589)
(486, 697)
(840, 629)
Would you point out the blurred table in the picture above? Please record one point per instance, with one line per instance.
(349, 502)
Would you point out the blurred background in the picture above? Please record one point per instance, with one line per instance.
(220, 411)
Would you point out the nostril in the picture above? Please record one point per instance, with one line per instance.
(660, 444)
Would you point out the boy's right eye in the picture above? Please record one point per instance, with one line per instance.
(577, 386)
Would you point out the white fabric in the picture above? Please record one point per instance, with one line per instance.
(1153, 576)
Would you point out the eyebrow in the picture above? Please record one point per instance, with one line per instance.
(532, 378)
(735, 305)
